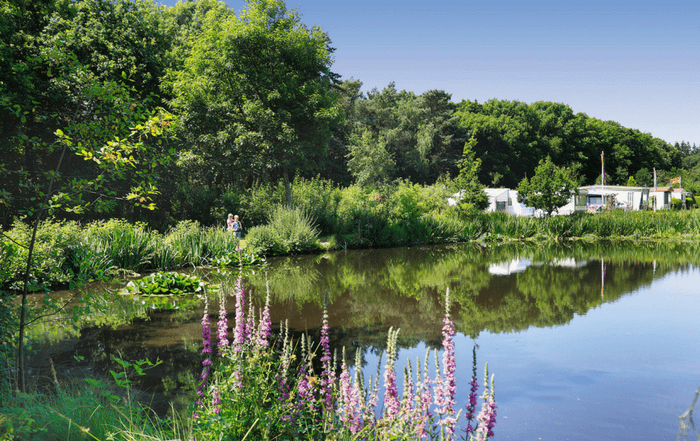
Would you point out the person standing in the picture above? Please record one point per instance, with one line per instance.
(237, 226)
(229, 222)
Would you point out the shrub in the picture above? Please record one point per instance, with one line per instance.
(319, 198)
(288, 231)
(55, 261)
(259, 202)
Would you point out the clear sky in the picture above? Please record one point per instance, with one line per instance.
(634, 62)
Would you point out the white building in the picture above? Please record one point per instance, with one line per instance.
(628, 198)
(506, 200)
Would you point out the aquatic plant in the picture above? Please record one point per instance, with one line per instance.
(239, 259)
(164, 283)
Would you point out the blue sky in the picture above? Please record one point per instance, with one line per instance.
(634, 62)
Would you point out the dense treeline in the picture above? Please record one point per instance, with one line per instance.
(254, 102)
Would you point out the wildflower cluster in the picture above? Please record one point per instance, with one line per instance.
(261, 390)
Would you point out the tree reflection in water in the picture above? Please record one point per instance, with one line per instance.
(373, 290)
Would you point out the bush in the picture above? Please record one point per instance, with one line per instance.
(287, 232)
(55, 261)
(319, 198)
(259, 202)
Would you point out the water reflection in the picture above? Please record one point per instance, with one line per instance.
(504, 289)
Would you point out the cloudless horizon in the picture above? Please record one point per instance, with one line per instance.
(636, 63)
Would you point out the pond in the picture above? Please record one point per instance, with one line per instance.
(587, 341)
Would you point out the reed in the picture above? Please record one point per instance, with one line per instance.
(186, 242)
(128, 246)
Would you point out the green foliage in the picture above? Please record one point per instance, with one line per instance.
(319, 198)
(402, 135)
(472, 198)
(57, 256)
(369, 161)
(128, 246)
(240, 260)
(257, 203)
(549, 189)
(8, 341)
(512, 137)
(165, 283)
(255, 93)
(95, 409)
(288, 231)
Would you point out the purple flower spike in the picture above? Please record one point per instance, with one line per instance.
(391, 394)
(471, 407)
(349, 400)
(327, 375)
(447, 383)
(265, 326)
(222, 326)
(239, 334)
(206, 330)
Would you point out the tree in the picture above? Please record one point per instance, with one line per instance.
(115, 136)
(256, 94)
(644, 177)
(369, 161)
(55, 55)
(550, 188)
(472, 196)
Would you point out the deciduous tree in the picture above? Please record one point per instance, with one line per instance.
(256, 93)
(550, 188)
(472, 196)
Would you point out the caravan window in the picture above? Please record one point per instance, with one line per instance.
(594, 199)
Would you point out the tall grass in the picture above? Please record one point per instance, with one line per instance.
(127, 246)
(79, 411)
(288, 231)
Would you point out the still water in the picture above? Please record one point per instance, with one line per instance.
(587, 342)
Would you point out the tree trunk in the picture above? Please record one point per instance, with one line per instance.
(22, 383)
(287, 185)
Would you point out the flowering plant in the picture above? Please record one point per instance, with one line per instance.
(262, 389)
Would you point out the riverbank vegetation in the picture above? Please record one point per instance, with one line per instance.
(109, 109)
(326, 217)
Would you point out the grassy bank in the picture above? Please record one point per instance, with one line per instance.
(69, 252)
